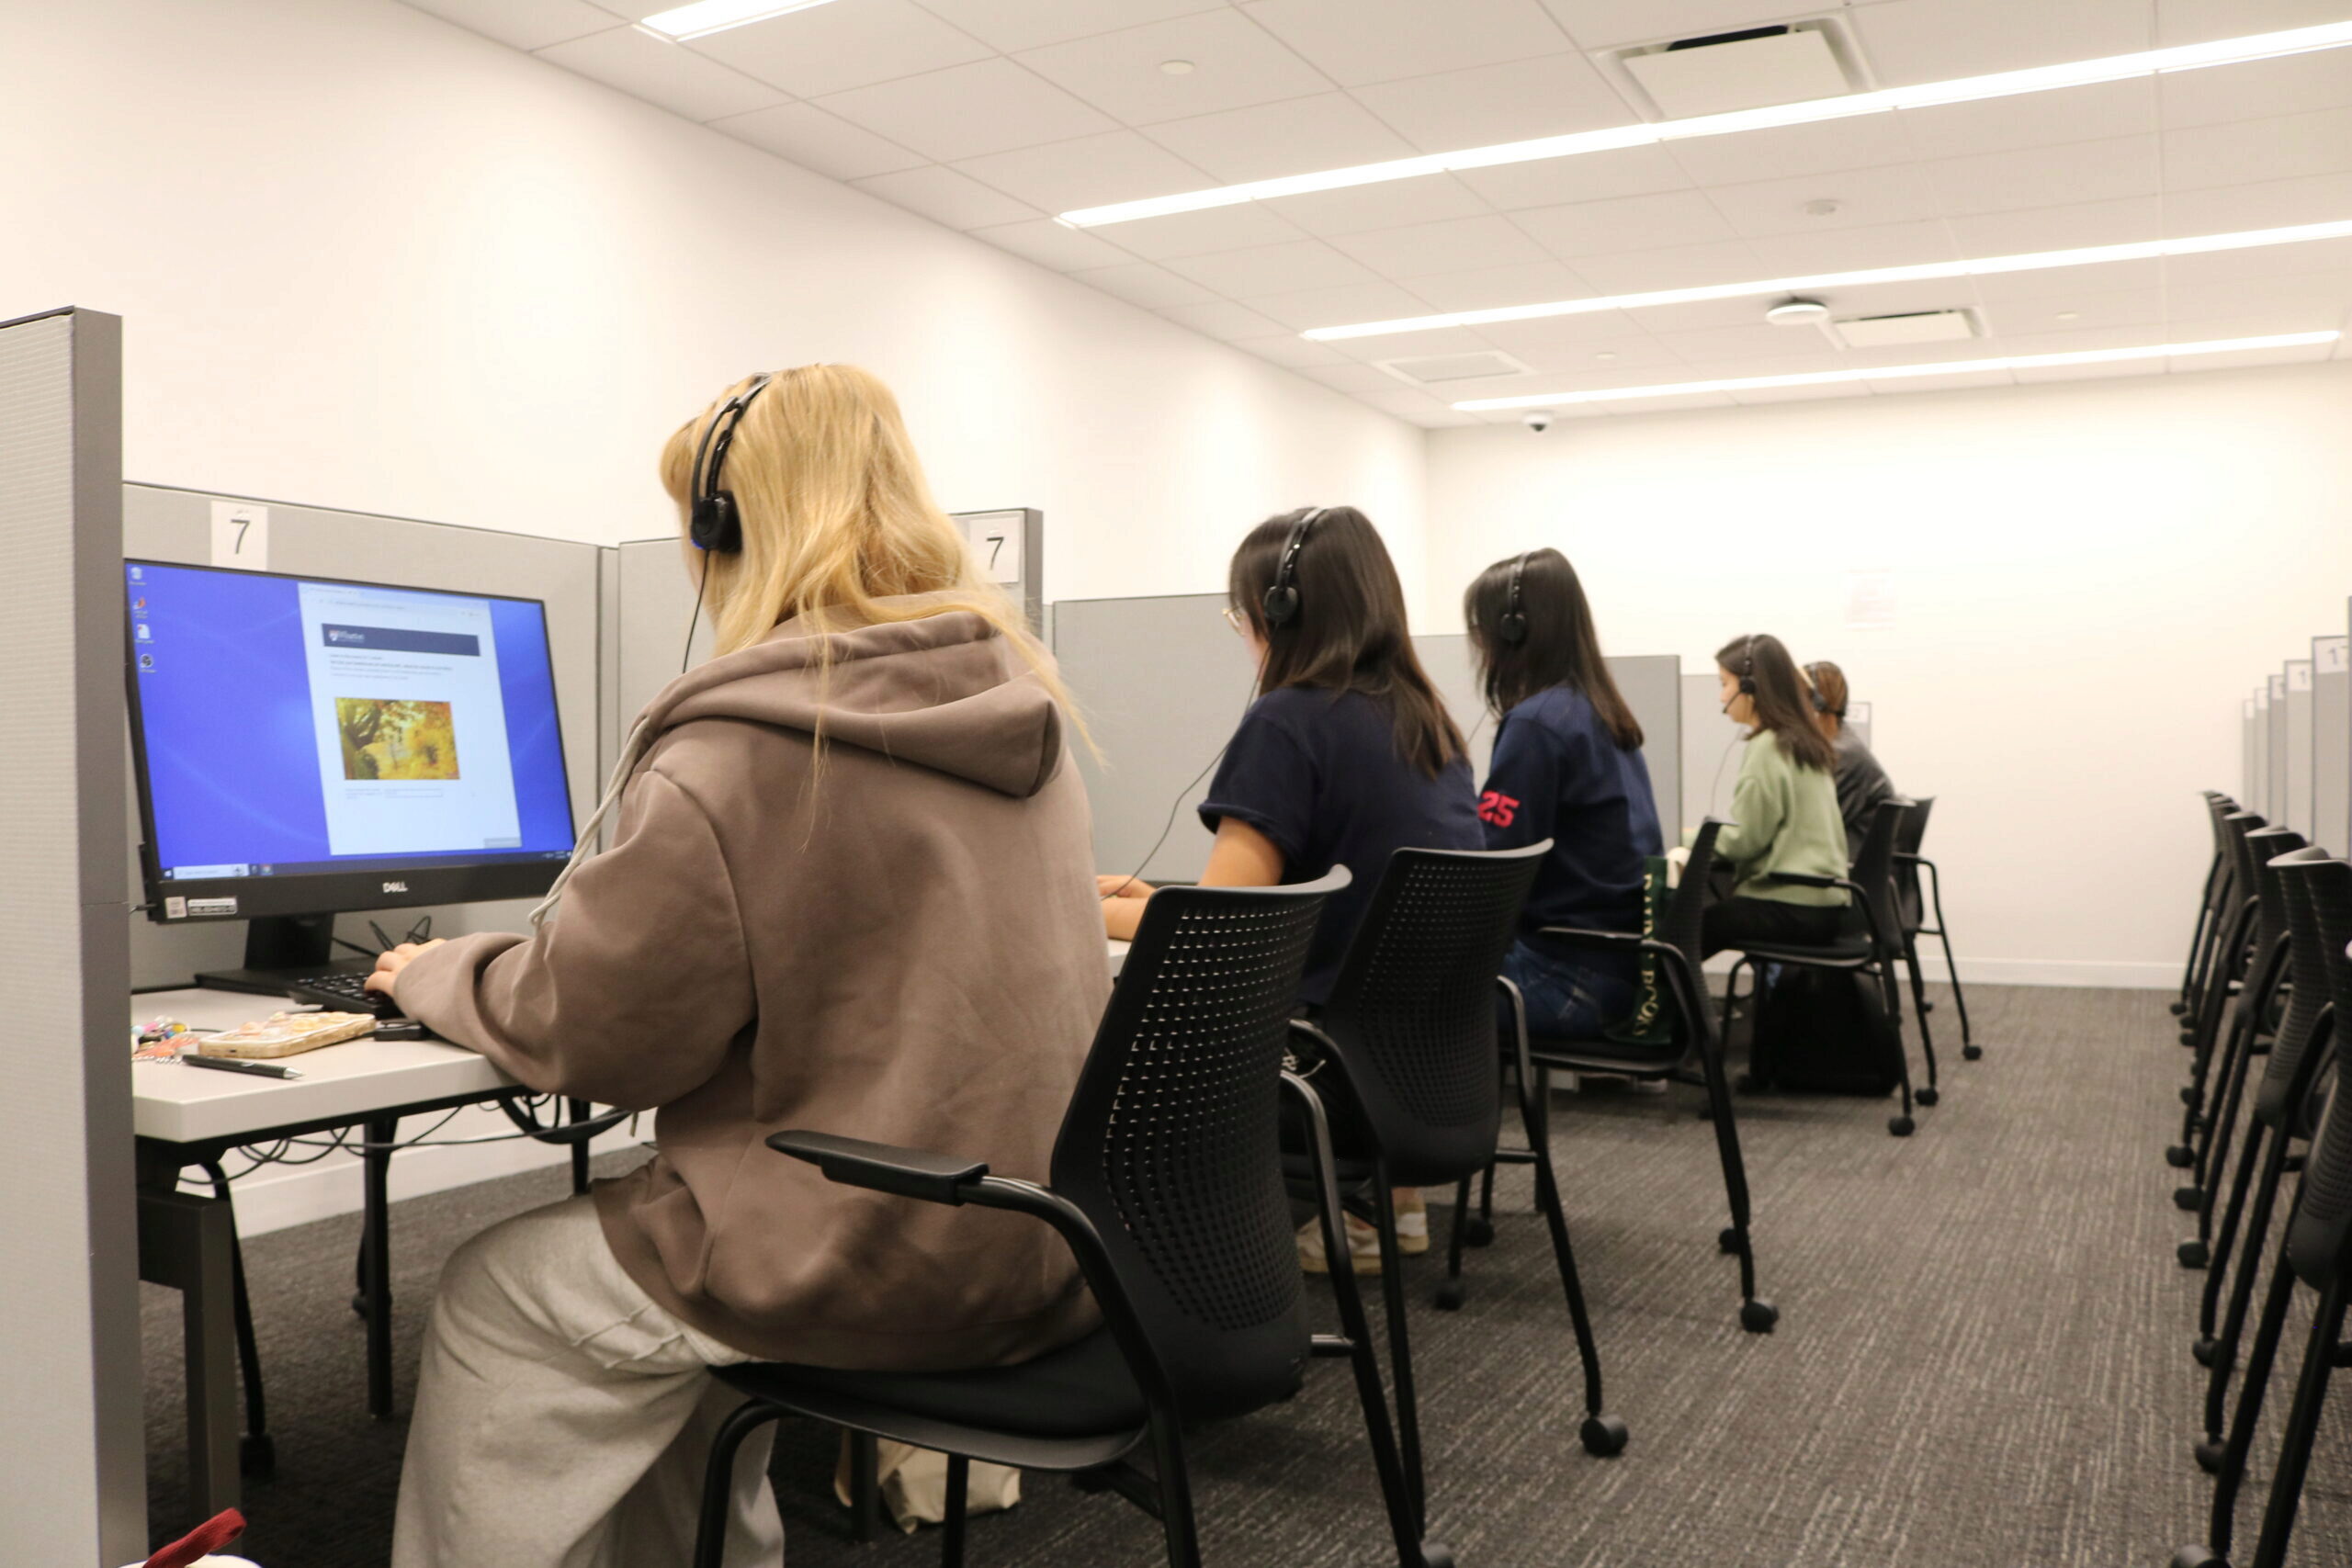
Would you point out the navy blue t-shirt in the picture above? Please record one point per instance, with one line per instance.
(1557, 773)
(1321, 776)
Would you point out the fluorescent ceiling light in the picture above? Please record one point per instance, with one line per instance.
(2006, 83)
(2031, 260)
(1903, 372)
(707, 16)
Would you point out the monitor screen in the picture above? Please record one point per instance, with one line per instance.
(305, 745)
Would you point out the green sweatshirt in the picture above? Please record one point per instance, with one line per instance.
(1785, 818)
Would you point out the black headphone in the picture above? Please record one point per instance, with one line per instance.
(1280, 603)
(715, 523)
(1820, 703)
(1512, 627)
(1747, 668)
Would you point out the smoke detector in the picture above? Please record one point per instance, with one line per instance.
(1798, 313)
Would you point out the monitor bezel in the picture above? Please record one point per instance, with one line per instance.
(327, 892)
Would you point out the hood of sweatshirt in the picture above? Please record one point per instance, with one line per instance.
(945, 693)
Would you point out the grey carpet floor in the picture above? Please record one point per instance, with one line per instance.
(1983, 1361)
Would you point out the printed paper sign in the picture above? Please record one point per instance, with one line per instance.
(996, 540)
(1870, 598)
(2332, 655)
(240, 536)
(2298, 674)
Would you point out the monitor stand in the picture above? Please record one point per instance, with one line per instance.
(279, 948)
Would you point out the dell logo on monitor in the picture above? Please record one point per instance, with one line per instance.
(395, 887)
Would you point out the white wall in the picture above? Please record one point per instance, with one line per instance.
(2087, 578)
(369, 259)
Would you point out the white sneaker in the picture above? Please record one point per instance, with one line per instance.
(1364, 1248)
(1412, 1225)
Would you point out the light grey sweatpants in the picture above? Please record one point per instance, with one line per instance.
(564, 1419)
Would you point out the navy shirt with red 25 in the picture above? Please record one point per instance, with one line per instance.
(1557, 773)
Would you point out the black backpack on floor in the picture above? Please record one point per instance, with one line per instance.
(1825, 1031)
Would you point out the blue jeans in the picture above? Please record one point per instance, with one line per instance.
(1567, 999)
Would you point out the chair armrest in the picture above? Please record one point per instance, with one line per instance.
(1582, 938)
(885, 1168)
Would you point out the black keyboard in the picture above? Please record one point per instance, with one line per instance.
(344, 992)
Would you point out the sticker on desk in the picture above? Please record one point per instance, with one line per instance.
(2332, 655)
(201, 909)
(240, 536)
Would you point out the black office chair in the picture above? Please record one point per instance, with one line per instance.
(1410, 1031)
(1674, 950)
(2225, 977)
(2317, 1253)
(2282, 1113)
(2253, 1020)
(1912, 904)
(1870, 946)
(1167, 1186)
(2208, 906)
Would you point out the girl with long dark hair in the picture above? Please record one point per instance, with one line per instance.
(1784, 808)
(1861, 782)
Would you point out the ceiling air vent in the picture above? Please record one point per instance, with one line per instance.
(1430, 368)
(1915, 326)
(1751, 69)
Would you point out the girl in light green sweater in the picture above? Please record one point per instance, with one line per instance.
(1784, 808)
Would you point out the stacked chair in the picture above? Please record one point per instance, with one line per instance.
(2316, 1253)
(2224, 977)
(1912, 904)
(2202, 936)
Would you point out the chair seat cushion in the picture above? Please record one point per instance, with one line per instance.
(1082, 1390)
(1850, 948)
(1554, 1050)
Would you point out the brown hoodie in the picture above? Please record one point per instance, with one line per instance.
(894, 937)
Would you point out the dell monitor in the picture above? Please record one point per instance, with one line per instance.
(305, 746)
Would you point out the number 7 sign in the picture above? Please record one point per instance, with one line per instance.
(240, 536)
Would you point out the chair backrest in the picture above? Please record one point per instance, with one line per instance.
(1413, 1010)
(1171, 1143)
(1909, 905)
(1873, 870)
(1684, 925)
(2262, 846)
(2295, 1052)
(2319, 1237)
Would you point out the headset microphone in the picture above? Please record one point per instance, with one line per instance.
(715, 524)
(1281, 603)
(1512, 627)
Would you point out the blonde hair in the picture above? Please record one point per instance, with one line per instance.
(837, 518)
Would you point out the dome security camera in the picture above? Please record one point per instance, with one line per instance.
(1537, 419)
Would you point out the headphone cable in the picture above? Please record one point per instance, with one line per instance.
(702, 581)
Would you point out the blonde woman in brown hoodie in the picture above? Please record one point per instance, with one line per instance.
(848, 888)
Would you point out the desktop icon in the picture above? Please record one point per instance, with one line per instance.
(138, 574)
(144, 631)
(140, 603)
(146, 661)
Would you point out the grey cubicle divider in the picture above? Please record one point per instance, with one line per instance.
(656, 598)
(2274, 765)
(1160, 684)
(165, 524)
(1709, 751)
(2332, 743)
(1858, 719)
(2298, 801)
(2250, 747)
(2257, 782)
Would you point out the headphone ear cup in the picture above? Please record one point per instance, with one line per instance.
(714, 525)
(1512, 628)
(1748, 685)
(1281, 605)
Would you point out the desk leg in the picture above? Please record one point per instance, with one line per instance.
(580, 1108)
(187, 1242)
(376, 1261)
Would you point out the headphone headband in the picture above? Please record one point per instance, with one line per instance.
(1280, 603)
(1747, 667)
(1512, 627)
(715, 523)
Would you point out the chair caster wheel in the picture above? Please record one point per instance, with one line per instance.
(1604, 1436)
(1927, 1096)
(2192, 1254)
(359, 1304)
(1971, 1052)
(1448, 1296)
(2203, 1351)
(1901, 1126)
(2180, 1157)
(2196, 1557)
(2188, 1200)
(2188, 1094)
(2179, 1009)
(1759, 1317)
(1436, 1556)
(256, 1457)
(2208, 1455)
(1477, 1232)
(1727, 1240)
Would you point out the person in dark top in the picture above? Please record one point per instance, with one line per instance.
(1861, 782)
(1347, 756)
(1567, 766)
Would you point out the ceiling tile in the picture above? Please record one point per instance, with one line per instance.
(2290, 84)
(1511, 385)
(1357, 42)
(1222, 319)
(1089, 171)
(2313, 303)
(678, 79)
(2092, 307)
(2034, 375)
(1572, 341)
(2269, 262)
(1790, 152)
(945, 196)
(524, 24)
(1851, 250)
(1271, 269)
(1514, 100)
(1678, 267)
(1865, 198)
(2252, 150)
(830, 49)
(1627, 223)
(1759, 340)
(1701, 315)
(1353, 302)
(2268, 204)
(2070, 283)
(1450, 246)
(2047, 176)
(1057, 245)
(2033, 119)
(1391, 204)
(1907, 386)
(1140, 283)
(1328, 130)
(1295, 353)
(1597, 24)
(1590, 177)
(815, 140)
(1908, 42)
(1417, 407)
(2200, 21)
(967, 111)
(1235, 64)
(2061, 228)
(1490, 286)
(2248, 358)
(1350, 377)
(1197, 233)
(1024, 24)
